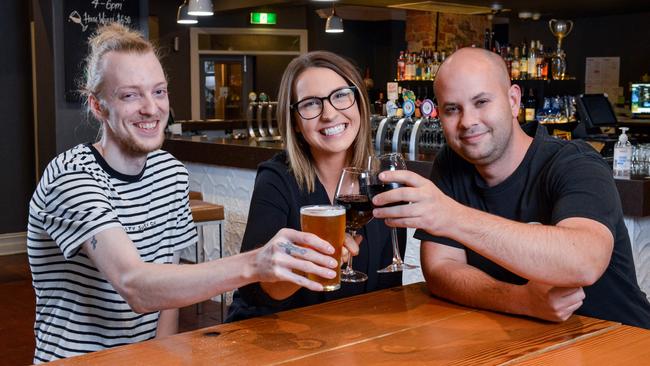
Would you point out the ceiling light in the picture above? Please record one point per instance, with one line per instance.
(334, 23)
(536, 16)
(182, 17)
(525, 15)
(200, 8)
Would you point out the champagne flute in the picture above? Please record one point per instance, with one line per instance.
(352, 193)
(387, 162)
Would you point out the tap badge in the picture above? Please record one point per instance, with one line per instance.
(426, 108)
(391, 108)
(409, 108)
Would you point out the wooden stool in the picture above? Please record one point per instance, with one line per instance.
(206, 213)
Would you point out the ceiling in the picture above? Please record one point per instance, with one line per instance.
(546, 8)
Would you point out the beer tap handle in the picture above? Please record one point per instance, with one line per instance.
(381, 135)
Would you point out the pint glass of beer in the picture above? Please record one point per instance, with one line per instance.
(328, 223)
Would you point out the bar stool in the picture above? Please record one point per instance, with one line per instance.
(206, 213)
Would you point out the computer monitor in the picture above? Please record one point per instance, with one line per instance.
(640, 100)
(595, 111)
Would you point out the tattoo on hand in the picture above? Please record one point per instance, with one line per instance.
(290, 248)
(93, 241)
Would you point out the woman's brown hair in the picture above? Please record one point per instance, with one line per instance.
(300, 161)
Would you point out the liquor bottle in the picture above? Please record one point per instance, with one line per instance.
(380, 105)
(546, 61)
(419, 68)
(409, 67)
(540, 61)
(515, 72)
(532, 61)
(530, 106)
(401, 66)
(428, 66)
(507, 57)
(414, 65)
(521, 116)
(435, 66)
(523, 63)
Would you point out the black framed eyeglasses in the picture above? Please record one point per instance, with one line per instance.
(312, 107)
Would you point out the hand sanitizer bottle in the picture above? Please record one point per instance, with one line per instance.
(622, 156)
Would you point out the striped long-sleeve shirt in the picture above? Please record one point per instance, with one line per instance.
(80, 195)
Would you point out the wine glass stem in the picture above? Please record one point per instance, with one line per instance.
(397, 259)
(348, 268)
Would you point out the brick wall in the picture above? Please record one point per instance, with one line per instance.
(455, 30)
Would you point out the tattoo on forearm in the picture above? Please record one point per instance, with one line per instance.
(93, 241)
(290, 248)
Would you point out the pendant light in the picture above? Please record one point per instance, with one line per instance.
(334, 23)
(182, 17)
(200, 8)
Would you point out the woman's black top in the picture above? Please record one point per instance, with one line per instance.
(275, 204)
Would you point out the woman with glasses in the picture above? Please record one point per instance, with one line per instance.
(323, 115)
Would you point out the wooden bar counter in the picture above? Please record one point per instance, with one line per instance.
(634, 193)
(403, 325)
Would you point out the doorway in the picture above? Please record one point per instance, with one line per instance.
(226, 64)
(225, 84)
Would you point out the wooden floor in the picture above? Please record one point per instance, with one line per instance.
(17, 312)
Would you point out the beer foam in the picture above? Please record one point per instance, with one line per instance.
(322, 211)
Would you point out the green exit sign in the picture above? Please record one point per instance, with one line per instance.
(263, 18)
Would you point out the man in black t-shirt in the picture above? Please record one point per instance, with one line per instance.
(516, 224)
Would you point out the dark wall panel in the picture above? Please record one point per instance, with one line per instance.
(16, 123)
(268, 73)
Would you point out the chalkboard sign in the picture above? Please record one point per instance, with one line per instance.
(81, 19)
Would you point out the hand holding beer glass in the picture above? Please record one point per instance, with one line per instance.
(328, 223)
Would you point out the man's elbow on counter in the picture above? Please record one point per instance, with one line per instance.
(578, 277)
(434, 285)
(588, 275)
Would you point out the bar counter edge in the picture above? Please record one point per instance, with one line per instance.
(247, 154)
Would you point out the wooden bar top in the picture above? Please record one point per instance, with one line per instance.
(228, 152)
(621, 346)
(404, 325)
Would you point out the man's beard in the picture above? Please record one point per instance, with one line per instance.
(131, 146)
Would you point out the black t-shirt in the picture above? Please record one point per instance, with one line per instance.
(556, 180)
(275, 204)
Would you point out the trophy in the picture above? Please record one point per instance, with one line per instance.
(560, 29)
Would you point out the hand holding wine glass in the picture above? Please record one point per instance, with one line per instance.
(388, 162)
(351, 193)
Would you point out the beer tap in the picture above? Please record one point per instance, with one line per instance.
(402, 126)
(423, 133)
(264, 101)
(252, 97)
(273, 131)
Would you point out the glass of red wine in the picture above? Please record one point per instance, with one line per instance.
(352, 193)
(376, 165)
